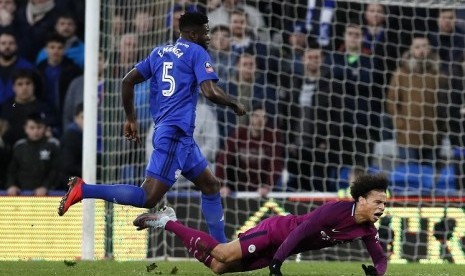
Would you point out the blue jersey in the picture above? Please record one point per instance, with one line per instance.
(175, 73)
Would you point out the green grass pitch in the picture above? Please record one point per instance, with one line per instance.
(87, 268)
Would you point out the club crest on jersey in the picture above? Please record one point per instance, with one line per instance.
(208, 67)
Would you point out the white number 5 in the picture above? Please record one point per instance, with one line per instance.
(166, 77)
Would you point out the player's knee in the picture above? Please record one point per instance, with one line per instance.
(213, 187)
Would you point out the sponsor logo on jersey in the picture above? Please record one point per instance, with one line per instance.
(252, 248)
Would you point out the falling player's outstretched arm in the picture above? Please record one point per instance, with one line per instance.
(130, 126)
(217, 95)
(377, 254)
(308, 228)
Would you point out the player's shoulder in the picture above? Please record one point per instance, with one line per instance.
(338, 204)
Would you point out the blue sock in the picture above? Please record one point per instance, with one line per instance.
(212, 210)
(123, 194)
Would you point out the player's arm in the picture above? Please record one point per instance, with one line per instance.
(130, 127)
(217, 95)
(308, 228)
(377, 255)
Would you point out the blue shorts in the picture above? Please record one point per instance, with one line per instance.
(174, 154)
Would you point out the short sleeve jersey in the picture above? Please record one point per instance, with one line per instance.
(175, 73)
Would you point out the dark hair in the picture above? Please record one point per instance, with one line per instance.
(219, 28)
(79, 108)
(38, 118)
(192, 19)
(54, 37)
(66, 16)
(22, 74)
(419, 34)
(365, 183)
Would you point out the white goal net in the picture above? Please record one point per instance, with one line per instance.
(347, 87)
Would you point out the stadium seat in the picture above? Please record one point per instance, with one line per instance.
(412, 179)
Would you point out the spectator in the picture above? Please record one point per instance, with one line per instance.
(36, 20)
(252, 158)
(221, 15)
(243, 41)
(354, 104)
(448, 41)
(34, 159)
(117, 29)
(308, 164)
(9, 62)
(220, 52)
(58, 72)
(412, 100)
(249, 87)
(8, 20)
(66, 27)
(143, 27)
(127, 55)
(16, 109)
(75, 93)
(293, 51)
(70, 160)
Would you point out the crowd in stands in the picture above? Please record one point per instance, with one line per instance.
(328, 87)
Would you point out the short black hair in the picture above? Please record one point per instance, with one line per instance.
(365, 183)
(54, 37)
(23, 74)
(192, 19)
(36, 117)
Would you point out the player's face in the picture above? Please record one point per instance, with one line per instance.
(203, 36)
(373, 205)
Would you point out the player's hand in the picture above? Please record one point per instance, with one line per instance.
(130, 131)
(370, 270)
(275, 268)
(239, 109)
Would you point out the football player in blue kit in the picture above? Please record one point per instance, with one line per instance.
(175, 72)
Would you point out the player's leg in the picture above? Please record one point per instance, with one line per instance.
(197, 171)
(161, 175)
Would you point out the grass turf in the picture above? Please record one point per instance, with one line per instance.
(87, 268)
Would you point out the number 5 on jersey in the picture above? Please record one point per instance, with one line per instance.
(166, 77)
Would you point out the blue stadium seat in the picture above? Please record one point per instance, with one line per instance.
(446, 181)
(412, 179)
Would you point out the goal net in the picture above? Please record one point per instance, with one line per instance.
(347, 87)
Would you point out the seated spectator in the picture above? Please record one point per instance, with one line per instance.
(244, 41)
(57, 72)
(249, 87)
(16, 109)
(9, 62)
(143, 24)
(8, 20)
(127, 55)
(220, 52)
(355, 102)
(221, 15)
(32, 166)
(66, 27)
(70, 160)
(36, 20)
(381, 41)
(252, 159)
(75, 93)
(448, 40)
(412, 101)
